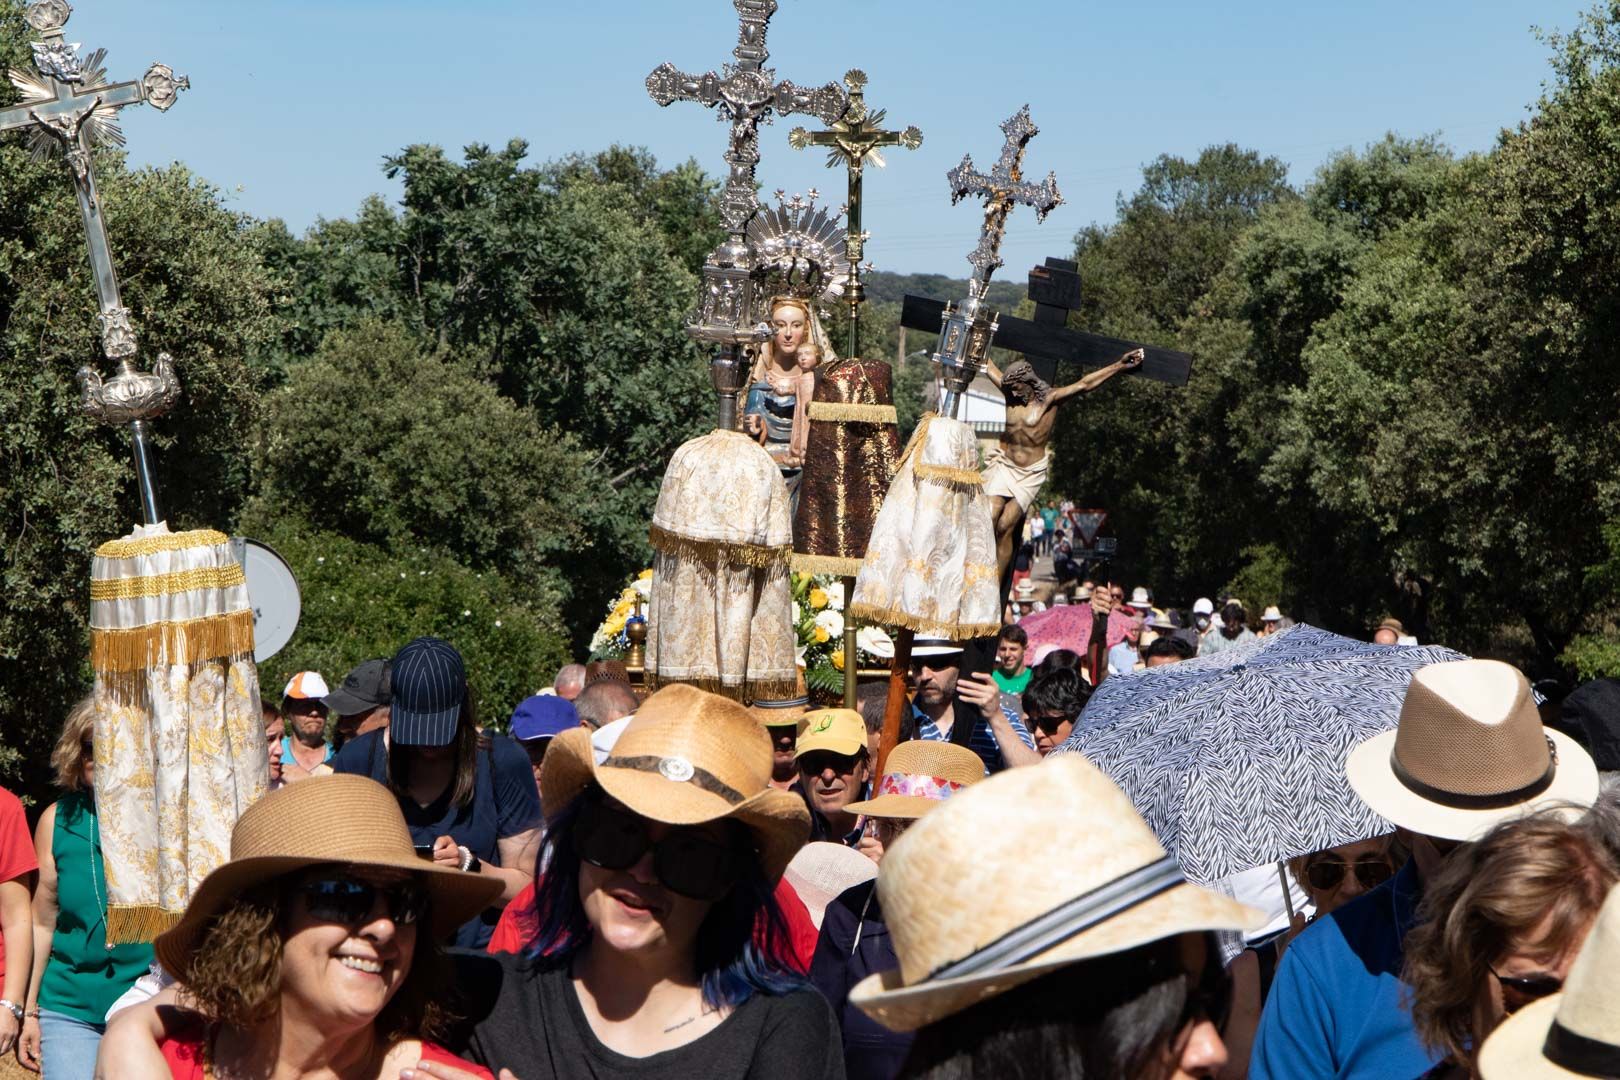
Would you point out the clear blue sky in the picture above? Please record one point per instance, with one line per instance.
(295, 103)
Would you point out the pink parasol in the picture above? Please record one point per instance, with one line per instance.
(1068, 626)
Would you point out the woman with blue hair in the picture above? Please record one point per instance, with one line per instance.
(657, 932)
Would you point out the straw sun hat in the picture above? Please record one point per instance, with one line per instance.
(919, 775)
(341, 818)
(1573, 1034)
(1469, 752)
(977, 904)
(782, 712)
(688, 757)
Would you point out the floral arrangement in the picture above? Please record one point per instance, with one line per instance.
(610, 642)
(818, 621)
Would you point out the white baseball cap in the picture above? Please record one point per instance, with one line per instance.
(1203, 606)
(306, 684)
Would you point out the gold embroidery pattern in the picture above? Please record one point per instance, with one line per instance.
(134, 547)
(203, 577)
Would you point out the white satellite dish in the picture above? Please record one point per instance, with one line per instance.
(272, 593)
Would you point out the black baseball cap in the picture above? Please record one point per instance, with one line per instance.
(367, 687)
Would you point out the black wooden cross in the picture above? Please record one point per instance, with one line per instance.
(1047, 340)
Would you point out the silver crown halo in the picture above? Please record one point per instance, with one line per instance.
(800, 248)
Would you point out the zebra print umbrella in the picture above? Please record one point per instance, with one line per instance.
(1237, 760)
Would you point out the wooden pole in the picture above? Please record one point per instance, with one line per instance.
(850, 664)
(894, 708)
(1097, 648)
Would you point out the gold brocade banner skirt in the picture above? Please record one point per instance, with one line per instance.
(849, 461)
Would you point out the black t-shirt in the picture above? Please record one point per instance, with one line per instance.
(524, 1015)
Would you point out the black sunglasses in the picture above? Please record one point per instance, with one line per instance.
(1327, 873)
(1520, 990)
(350, 903)
(1210, 998)
(687, 861)
(817, 762)
(1050, 724)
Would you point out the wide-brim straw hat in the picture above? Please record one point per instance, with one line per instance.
(341, 818)
(977, 903)
(920, 775)
(1469, 752)
(687, 758)
(1575, 1034)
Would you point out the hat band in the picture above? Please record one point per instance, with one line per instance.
(1068, 920)
(679, 770)
(788, 703)
(1580, 1053)
(928, 787)
(1495, 800)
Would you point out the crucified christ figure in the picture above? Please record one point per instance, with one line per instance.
(1015, 471)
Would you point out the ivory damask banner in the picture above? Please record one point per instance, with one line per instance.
(179, 735)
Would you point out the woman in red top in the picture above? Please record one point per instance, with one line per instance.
(312, 952)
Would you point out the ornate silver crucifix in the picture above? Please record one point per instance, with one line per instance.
(68, 105)
(852, 142)
(969, 326)
(748, 96)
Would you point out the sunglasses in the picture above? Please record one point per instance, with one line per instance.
(1050, 724)
(348, 902)
(1520, 990)
(686, 861)
(1210, 998)
(817, 762)
(1327, 873)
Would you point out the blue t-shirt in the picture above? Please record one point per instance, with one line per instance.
(1335, 1008)
(983, 741)
(505, 803)
(287, 752)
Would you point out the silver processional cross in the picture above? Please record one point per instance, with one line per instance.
(747, 95)
(68, 105)
(964, 340)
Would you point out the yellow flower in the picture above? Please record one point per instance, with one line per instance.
(838, 659)
(820, 634)
(818, 598)
(645, 575)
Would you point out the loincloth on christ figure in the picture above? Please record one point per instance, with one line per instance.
(1021, 482)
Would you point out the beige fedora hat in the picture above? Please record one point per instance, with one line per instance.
(783, 712)
(688, 757)
(1469, 752)
(919, 775)
(341, 818)
(977, 903)
(1576, 1033)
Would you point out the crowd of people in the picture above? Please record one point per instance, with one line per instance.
(676, 884)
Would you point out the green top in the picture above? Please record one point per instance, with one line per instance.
(83, 977)
(1010, 684)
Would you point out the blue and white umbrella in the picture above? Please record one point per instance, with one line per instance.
(1237, 760)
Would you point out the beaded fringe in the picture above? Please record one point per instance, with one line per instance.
(853, 413)
(824, 564)
(138, 923)
(747, 690)
(207, 638)
(760, 556)
(956, 631)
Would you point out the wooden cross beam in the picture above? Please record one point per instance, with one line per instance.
(1047, 340)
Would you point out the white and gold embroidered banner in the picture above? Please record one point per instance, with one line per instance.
(179, 736)
(931, 562)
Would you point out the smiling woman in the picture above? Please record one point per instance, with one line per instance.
(313, 951)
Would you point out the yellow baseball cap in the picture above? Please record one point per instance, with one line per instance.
(840, 730)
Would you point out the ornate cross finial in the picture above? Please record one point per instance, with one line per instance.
(69, 106)
(851, 142)
(747, 95)
(1002, 190)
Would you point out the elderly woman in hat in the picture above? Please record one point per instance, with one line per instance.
(648, 958)
(1080, 952)
(311, 952)
(854, 942)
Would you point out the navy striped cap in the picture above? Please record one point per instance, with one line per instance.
(430, 684)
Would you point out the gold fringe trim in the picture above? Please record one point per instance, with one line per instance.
(825, 564)
(137, 924)
(203, 577)
(711, 551)
(853, 414)
(961, 479)
(956, 631)
(188, 642)
(134, 547)
(917, 438)
(748, 690)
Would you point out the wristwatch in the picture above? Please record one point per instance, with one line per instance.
(13, 1008)
(470, 863)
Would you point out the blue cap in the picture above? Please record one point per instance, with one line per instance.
(430, 684)
(543, 716)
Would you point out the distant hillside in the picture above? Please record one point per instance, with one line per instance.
(885, 287)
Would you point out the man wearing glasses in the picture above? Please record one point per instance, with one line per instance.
(968, 712)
